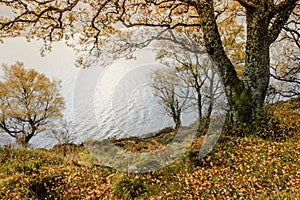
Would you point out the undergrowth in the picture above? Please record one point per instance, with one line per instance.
(264, 165)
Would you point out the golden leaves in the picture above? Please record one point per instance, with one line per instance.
(239, 168)
(28, 101)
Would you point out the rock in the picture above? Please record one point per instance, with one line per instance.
(132, 169)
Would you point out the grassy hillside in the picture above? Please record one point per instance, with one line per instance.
(265, 165)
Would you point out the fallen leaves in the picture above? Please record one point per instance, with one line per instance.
(250, 167)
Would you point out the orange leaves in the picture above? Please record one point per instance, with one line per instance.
(237, 168)
(281, 120)
(74, 182)
(28, 101)
(250, 168)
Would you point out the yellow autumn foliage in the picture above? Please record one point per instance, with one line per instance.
(28, 102)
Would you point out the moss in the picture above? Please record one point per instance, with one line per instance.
(251, 167)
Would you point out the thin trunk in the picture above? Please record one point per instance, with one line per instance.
(210, 107)
(211, 95)
(199, 104)
(176, 115)
(27, 138)
(177, 120)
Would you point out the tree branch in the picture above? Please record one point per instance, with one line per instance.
(284, 5)
(214, 45)
(282, 13)
(248, 4)
(289, 80)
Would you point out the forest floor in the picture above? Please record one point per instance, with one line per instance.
(262, 165)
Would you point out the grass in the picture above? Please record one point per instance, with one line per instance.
(42, 174)
(259, 166)
(249, 167)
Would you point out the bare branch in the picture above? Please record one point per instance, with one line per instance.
(281, 18)
(289, 79)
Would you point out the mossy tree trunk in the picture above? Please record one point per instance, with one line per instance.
(246, 96)
(257, 67)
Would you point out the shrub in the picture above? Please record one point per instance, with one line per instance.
(127, 187)
(280, 120)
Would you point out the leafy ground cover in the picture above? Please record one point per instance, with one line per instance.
(261, 166)
(250, 168)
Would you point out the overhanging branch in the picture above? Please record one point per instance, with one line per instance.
(281, 18)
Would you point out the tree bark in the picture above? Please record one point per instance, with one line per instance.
(238, 98)
(30, 135)
(257, 68)
(265, 20)
(246, 96)
(177, 120)
(199, 104)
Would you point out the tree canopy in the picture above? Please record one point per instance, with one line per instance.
(28, 102)
(105, 30)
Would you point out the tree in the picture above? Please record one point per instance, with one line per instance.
(29, 101)
(171, 93)
(195, 70)
(181, 88)
(95, 23)
(285, 70)
(64, 133)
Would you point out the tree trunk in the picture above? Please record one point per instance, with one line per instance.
(246, 96)
(257, 68)
(249, 107)
(176, 115)
(199, 104)
(177, 121)
(212, 94)
(29, 135)
(27, 139)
